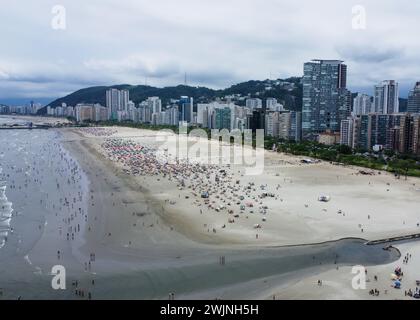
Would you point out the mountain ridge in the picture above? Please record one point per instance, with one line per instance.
(291, 98)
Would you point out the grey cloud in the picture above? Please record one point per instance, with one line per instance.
(216, 42)
(369, 53)
(134, 65)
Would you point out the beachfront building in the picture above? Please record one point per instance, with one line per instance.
(113, 101)
(145, 112)
(99, 113)
(413, 104)
(362, 104)
(326, 101)
(117, 102)
(84, 112)
(218, 114)
(28, 109)
(60, 111)
(386, 97)
(125, 100)
(415, 140)
(346, 132)
(295, 130)
(256, 120)
(272, 124)
(397, 132)
(286, 125)
(69, 112)
(90, 112)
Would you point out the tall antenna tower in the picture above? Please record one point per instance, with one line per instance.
(185, 78)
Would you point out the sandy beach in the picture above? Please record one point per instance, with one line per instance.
(362, 206)
(143, 231)
(286, 195)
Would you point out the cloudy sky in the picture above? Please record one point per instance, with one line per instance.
(216, 42)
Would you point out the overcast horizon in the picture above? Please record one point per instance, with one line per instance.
(217, 43)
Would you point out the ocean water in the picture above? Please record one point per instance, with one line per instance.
(5, 205)
(40, 183)
(11, 120)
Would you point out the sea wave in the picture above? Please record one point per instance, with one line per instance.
(5, 214)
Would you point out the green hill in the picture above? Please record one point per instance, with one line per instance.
(290, 97)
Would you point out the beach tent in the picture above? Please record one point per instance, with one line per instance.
(324, 198)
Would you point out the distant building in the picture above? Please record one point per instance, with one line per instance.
(99, 113)
(413, 105)
(84, 112)
(295, 130)
(186, 109)
(386, 97)
(173, 115)
(272, 124)
(253, 103)
(154, 104)
(125, 99)
(117, 102)
(362, 104)
(202, 114)
(271, 104)
(284, 125)
(415, 140)
(223, 118)
(256, 120)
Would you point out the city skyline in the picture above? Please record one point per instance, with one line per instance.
(240, 45)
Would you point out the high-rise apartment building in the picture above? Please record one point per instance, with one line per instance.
(223, 118)
(326, 101)
(117, 101)
(386, 97)
(125, 99)
(346, 132)
(362, 104)
(155, 104)
(186, 109)
(413, 105)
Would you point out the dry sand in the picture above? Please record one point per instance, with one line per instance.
(364, 206)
